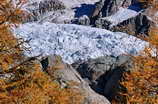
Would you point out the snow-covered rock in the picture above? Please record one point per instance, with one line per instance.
(121, 15)
(74, 42)
(57, 11)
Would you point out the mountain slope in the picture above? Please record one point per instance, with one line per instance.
(57, 11)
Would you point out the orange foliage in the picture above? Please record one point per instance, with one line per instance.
(28, 84)
(147, 3)
(37, 87)
(9, 45)
(142, 87)
(142, 81)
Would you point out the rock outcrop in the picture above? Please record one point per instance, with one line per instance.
(67, 73)
(135, 26)
(121, 15)
(38, 8)
(103, 74)
(84, 20)
(106, 8)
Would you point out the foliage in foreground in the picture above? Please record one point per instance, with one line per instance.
(35, 87)
(28, 84)
(142, 81)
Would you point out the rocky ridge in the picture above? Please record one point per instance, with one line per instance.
(97, 13)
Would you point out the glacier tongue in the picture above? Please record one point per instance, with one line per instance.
(74, 42)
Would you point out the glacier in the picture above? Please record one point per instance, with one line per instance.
(74, 42)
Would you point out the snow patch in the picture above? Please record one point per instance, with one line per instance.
(121, 15)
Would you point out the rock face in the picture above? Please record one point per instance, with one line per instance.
(38, 8)
(142, 24)
(106, 8)
(134, 26)
(48, 5)
(120, 15)
(67, 73)
(104, 73)
(57, 11)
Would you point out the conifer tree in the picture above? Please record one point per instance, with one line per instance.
(28, 84)
(142, 81)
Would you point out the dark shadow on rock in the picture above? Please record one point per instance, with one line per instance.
(108, 84)
(85, 9)
(142, 24)
(103, 74)
(45, 63)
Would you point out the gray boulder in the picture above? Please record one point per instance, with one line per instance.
(67, 73)
(104, 73)
(84, 20)
(94, 68)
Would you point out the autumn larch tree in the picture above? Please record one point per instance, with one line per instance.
(28, 84)
(142, 81)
